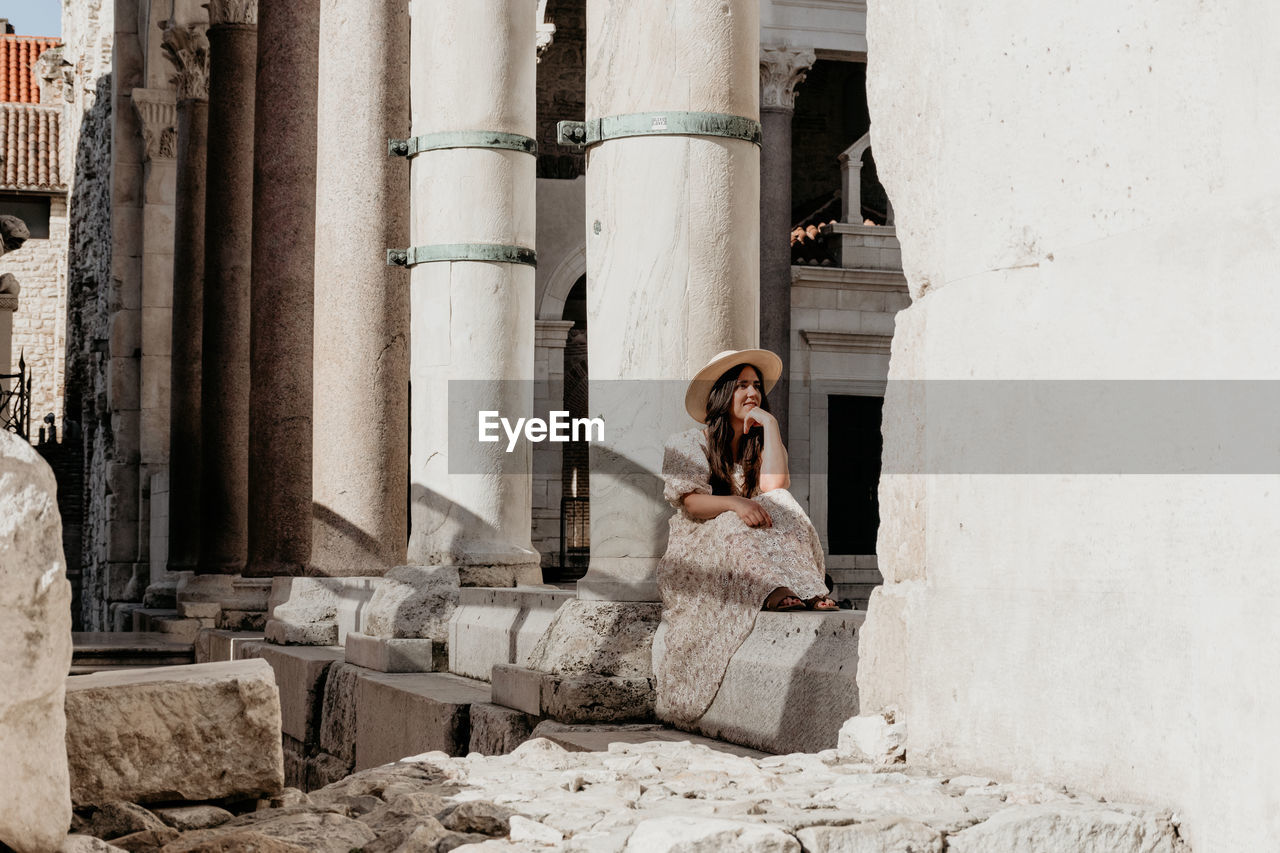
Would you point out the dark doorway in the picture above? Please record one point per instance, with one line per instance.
(853, 473)
(575, 503)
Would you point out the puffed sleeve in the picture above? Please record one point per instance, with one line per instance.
(685, 468)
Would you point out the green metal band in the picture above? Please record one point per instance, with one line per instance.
(461, 139)
(582, 134)
(490, 252)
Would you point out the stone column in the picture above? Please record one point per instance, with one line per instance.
(672, 232)
(781, 70)
(224, 533)
(188, 49)
(157, 119)
(360, 408)
(473, 69)
(284, 225)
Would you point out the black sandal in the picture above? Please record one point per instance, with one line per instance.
(812, 604)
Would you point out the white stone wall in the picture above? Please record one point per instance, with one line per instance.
(40, 323)
(1083, 191)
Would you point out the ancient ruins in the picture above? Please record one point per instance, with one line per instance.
(266, 265)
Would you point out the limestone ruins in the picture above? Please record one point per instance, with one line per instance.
(267, 589)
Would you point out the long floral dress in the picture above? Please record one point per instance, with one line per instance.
(716, 575)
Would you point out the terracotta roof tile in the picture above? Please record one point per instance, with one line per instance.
(29, 142)
(18, 83)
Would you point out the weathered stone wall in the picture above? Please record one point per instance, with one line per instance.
(88, 31)
(40, 323)
(1084, 191)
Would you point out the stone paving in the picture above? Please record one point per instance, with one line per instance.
(668, 797)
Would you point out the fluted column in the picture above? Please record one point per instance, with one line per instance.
(187, 47)
(360, 409)
(781, 70)
(473, 69)
(224, 531)
(284, 226)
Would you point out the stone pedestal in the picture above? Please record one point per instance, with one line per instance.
(224, 530)
(672, 228)
(188, 49)
(284, 203)
(781, 70)
(360, 409)
(473, 68)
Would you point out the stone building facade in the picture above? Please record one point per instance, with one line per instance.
(33, 186)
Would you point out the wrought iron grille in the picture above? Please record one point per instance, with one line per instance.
(575, 537)
(15, 400)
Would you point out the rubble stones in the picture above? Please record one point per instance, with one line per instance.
(183, 818)
(114, 819)
(876, 738)
(673, 796)
(35, 633)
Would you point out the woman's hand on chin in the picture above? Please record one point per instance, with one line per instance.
(757, 415)
(751, 513)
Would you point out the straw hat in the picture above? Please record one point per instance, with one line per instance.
(695, 398)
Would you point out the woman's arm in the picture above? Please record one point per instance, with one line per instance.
(702, 507)
(773, 458)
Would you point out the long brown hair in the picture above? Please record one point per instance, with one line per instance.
(720, 437)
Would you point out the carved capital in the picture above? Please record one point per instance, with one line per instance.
(157, 111)
(233, 12)
(545, 29)
(187, 49)
(781, 70)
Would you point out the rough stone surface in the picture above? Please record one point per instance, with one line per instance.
(338, 711)
(705, 835)
(1068, 828)
(197, 732)
(875, 738)
(414, 601)
(87, 844)
(789, 686)
(499, 626)
(599, 638)
(317, 611)
(886, 835)
(300, 678)
(676, 796)
(183, 818)
(114, 819)
(1080, 269)
(406, 714)
(35, 632)
(496, 730)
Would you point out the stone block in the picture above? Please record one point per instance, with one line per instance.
(35, 634)
(886, 835)
(338, 711)
(790, 686)
(598, 637)
(413, 601)
(496, 730)
(200, 732)
(199, 609)
(300, 675)
(317, 611)
(517, 687)
(499, 626)
(1069, 828)
(215, 644)
(685, 832)
(390, 654)
(591, 698)
(407, 714)
(873, 738)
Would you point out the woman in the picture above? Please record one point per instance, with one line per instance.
(738, 542)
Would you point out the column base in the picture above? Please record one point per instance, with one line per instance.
(396, 654)
(591, 665)
(317, 611)
(620, 579)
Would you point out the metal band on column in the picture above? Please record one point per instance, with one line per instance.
(582, 134)
(491, 252)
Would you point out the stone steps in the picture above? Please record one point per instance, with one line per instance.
(107, 651)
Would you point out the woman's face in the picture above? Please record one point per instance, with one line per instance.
(746, 392)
